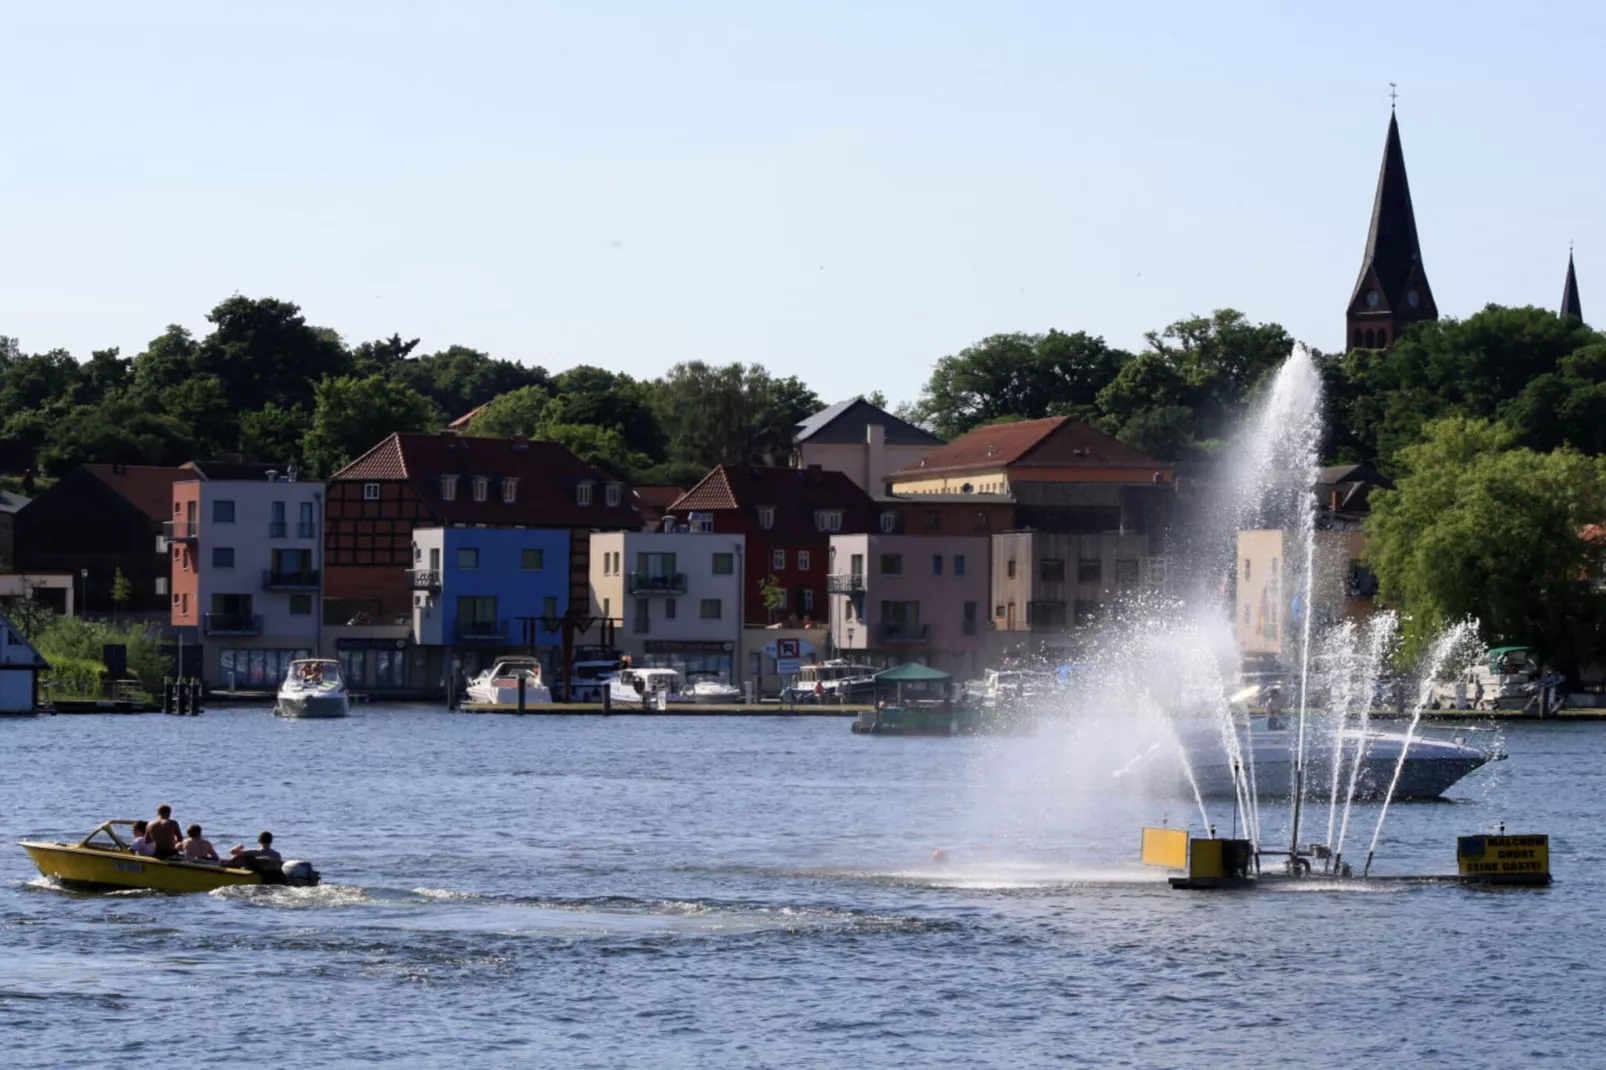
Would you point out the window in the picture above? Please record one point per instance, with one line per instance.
(807, 594)
(370, 492)
(448, 488)
(777, 559)
(803, 560)
(892, 564)
(611, 494)
(1089, 570)
(292, 564)
(618, 564)
(710, 609)
(766, 516)
(959, 564)
(1274, 568)
(669, 609)
(889, 522)
(1246, 614)
(856, 565)
(1010, 571)
(1126, 572)
(434, 558)
(222, 557)
(223, 512)
(482, 487)
(582, 494)
(607, 608)
(1088, 612)
(301, 605)
(1051, 570)
(724, 564)
(831, 520)
(510, 490)
(1246, 570)
(643, 618)
(184, 604)
(933, 520)
(468, 557)
(532, 560)
(549, 606)
(161, 585)
(304, 525)
(998, 611)
(476, 609)
(970, 618)
(276, 521)
(936, 564)
(1045, 614)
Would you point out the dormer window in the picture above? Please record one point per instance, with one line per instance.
(448, 488)
(482, 487)
(582, 493)
(829, 520)
(889, 522)
(510, 490)
(611, 494)
(766, 516)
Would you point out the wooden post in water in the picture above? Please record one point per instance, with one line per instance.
(522, 679)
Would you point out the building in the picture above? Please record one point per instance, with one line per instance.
(900, 598)
(245, 571)
(862, 441)
(1570, 304)
(20, 665)
(675, 597)
(1391, 291)
(1046, 586)
(415, 480)
(100, 519)
(9, 505)
(788, 516)
(945, 514)
(652, 502)
(479, 593)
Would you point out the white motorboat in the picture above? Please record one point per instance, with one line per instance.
(591, 677)
(646, 687)
(832, 681)
(1432, 764)
(313, 687)
(708, 688)
(499, 685)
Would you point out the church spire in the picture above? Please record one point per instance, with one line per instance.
(1570, 305)
(1392, 290)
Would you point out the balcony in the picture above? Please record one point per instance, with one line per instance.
(274, 579)
(845, 583)
(657, 583)
(181, 530)
(276, 529)
(481, 631)
(903, 633)
(425, 579)
(304, 530)
(232, 624)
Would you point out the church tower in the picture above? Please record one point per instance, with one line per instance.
(1392, 291)
(1570, 305)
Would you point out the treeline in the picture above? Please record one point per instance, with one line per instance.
(267, 386)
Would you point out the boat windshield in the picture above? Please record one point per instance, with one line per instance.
(313, 673)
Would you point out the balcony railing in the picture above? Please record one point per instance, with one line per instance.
(232, 624)
(304, 529)
(641, 625)
(481, 631)
(181, 530)
(657, 583)
(276, 529)
(425, 579)
(845, 583)
(274, 579)
(903, 633)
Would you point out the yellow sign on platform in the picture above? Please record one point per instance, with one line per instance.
(1503, 856)
(1165, 847)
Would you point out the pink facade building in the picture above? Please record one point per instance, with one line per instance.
(902, 598)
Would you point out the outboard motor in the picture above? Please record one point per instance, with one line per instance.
(299, 874)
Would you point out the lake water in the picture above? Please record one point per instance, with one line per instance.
(639, 891)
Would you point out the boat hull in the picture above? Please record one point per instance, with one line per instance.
(489, 695)
(90, 867)
(312, 706)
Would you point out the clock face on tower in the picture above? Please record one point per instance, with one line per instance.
(1413, 298)
(1372, 298)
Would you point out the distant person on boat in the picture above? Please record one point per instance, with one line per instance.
(240, 856)
(195, 848)
(142, 844)
(164, 833)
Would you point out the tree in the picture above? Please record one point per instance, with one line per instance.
(1028, 376)
(1482, 527)
(272, 435)
(262, 350)
(121, 590)
(200, 405)
(772, 594)
(351, 415)
(31, 616)
(876, 398)
(730, 414)
(460, 379)
(518, 412)
(601, 446)
(119, 429)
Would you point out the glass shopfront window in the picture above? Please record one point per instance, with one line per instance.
(254, 670)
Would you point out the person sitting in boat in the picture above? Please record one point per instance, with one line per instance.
(142, 844)
(197, 849)
(164, 833)
(240, 856)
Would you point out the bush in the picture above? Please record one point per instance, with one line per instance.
(73, 639)
(76, 677)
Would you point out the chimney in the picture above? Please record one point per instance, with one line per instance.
(273, 476)
(875, 457)
(1334, 501)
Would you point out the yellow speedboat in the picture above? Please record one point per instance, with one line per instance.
(104, 859)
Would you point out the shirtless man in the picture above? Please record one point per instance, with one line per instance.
(197, 849)
(164, 833)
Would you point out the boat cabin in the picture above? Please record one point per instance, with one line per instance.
(313, 672)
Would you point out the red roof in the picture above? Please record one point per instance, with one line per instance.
(794, 493)
(148, 487)
(1055, 441)
(548, 480)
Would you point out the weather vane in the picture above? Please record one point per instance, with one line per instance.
(1393, 96)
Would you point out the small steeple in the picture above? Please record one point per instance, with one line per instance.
(1570, 305)
(1392, 289)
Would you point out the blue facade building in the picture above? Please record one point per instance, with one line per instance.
(471, 586)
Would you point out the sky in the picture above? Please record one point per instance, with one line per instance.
(841, 191)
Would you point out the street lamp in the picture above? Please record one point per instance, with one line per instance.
(83, 590)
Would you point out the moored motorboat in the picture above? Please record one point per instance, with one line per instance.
(708, 689)
(313, 687)
(499, 685)
(105, 859)
(646, 687)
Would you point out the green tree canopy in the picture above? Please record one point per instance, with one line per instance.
(350, 415)
(730, 414)
(1482, 527)
(262, 350)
